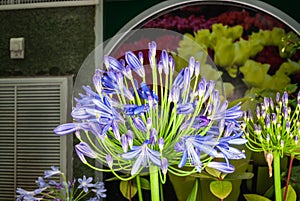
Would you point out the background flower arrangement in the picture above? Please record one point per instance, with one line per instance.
(235, 30)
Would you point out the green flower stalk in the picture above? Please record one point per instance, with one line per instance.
(154, 123)
(274, 130)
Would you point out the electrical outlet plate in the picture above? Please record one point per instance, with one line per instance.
(17, 48)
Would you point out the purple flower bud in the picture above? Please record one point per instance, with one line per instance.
(164, 57)
(129, 136)
(285, 98)
(174, 94)
(128, 72)
(296, 140)
(153, 136)
(257, 129)
(288, 126)
(277, 97)
(152, 49)
(274, 118)
(268, 137)
(149, 123)
(257, 111)
(109, 160)
(97, 81)
(119, 80)
(267, 121)
(160, 67)
(124, 143)
(161, 143)
(197, 68)
(139, 124)
(83, 149)
(116, 131)
(186, 79)
(271, 104)
(171, 63)
(178, 81)
(135, 63)
(141, 57)
(114, 64)
(266, 102)
(164, 165)
(186, 108)
(285, 112)
(201, 88)
(191, 66)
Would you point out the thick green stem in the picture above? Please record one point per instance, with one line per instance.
(139, 187)
(277, 178)
(154, 183)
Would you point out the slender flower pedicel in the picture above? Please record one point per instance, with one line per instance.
(156, 123)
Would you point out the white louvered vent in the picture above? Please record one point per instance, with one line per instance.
(22, 4)
(30, 109)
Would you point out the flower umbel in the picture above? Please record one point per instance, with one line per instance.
(162, 121)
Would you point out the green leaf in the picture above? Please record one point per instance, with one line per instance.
(145, 184)
(213, 172)
(239, 175)
(255, 197)
(291, 194)
(220, 189)
(128, 189)
(193, 194)
(182, 185)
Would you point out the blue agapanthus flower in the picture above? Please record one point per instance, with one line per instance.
(52, 188)
(161, 119)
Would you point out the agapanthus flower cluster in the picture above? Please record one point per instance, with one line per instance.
(275, 127)
(51, 188)
(160, 119)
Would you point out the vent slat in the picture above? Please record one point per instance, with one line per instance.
(30, 109)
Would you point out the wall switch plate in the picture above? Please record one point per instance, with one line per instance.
(17, 48)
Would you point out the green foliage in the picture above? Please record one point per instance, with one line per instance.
(255, 197)
(128, 189)
(193, 194)
(221, 189)
(291, 193)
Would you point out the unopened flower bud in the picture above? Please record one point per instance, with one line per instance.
(267, 121)
(197, 68)
(124, 143)
(266, 102)
(129, 136)
(271, 104)
(282, 143)
(164, 165)
(285, 98)
(149, 123)
(269, 159)
(268, 137)
(161, 143)
(109, 160)
(192, 66)
(141, 57)
(288, 126)
(277, 97)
